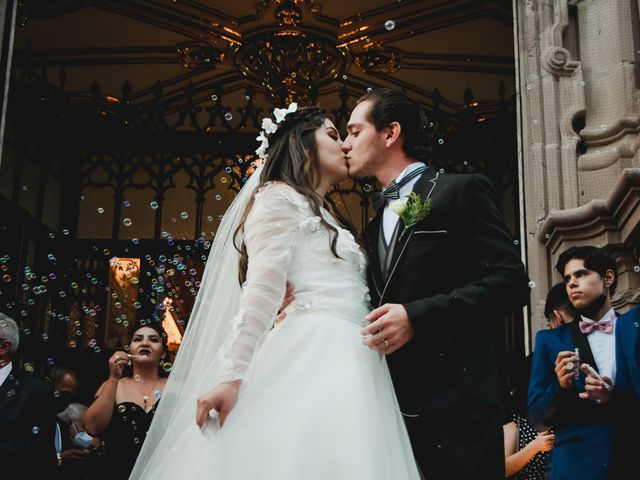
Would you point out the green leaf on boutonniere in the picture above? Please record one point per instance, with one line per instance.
(411, 209)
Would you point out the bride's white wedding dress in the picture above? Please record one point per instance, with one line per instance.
(315, 403)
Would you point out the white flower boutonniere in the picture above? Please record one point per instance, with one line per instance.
(411, 210)
(398, 206)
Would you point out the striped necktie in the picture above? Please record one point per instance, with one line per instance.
(392, 192)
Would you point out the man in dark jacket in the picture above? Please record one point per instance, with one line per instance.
(444, 272)
(27, 416)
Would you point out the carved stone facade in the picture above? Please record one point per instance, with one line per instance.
(580, 163)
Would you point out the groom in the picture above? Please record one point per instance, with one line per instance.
(442, 287)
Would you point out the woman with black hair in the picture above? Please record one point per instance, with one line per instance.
(125, 403)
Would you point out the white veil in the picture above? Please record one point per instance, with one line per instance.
(196, 366)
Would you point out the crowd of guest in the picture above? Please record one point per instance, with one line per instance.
(45, 432)
(573, 410)
(582, 398)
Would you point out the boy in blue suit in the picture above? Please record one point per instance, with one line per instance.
(623, 402)
(628, 353)
(557, 396)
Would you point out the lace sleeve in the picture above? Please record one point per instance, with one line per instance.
(270, 233)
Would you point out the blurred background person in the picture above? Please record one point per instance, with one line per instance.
(66, 386)
(27, 413)
(73, 444)
(522, 445)
(125, 403)
(79, 450)
(558, 309)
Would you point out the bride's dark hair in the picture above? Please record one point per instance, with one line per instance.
(293, 159)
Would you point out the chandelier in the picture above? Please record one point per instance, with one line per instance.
(289, 62)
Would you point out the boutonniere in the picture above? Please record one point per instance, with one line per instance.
(411, 210)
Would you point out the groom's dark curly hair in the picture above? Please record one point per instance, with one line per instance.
(293, 159)
(389, 106)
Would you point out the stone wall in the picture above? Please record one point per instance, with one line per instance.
(578, 83)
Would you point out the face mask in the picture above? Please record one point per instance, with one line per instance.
(82, 440)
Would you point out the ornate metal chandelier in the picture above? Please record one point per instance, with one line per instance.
(291, 63)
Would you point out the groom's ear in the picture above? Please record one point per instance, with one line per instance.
(392, 134)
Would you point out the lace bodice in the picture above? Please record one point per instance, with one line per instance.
(286, 242)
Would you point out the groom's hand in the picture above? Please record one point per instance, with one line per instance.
(288, 298)
(389, 322)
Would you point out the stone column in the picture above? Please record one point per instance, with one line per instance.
(608, 54)
(7, 26)
(551, 94)
(578, 134)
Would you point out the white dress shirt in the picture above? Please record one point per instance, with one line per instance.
(603, 346)
(389, 218)
(4, 373)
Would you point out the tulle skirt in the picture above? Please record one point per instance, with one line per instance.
(317, 405)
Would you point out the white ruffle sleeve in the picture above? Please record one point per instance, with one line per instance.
(270, 233)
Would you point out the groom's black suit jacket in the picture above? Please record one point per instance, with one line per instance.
(458, 273)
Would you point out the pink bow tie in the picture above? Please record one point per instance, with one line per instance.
(588, 326)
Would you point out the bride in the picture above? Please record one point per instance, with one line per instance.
(301, 398)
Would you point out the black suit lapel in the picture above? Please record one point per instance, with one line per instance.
(423, 187)
(373, 234)
(8, 394)
(580, 341)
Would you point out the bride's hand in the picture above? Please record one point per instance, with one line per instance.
(221, 398)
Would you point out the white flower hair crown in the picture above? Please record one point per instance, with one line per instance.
(269, 128)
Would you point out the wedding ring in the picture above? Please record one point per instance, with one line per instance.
(386, 343)
(569, 366)
(598, 401)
